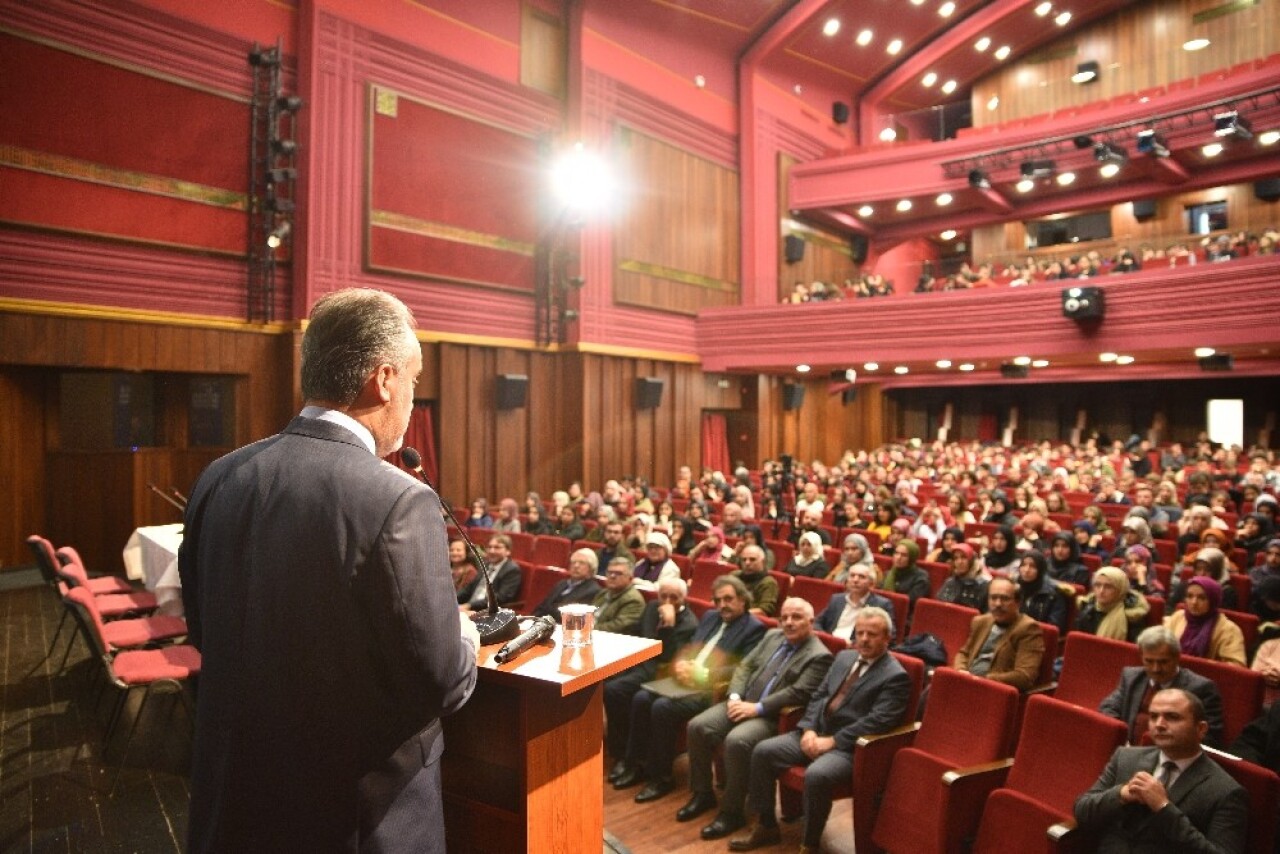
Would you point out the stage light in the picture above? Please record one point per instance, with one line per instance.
(280, 176)
(1038, 168)
(278, 236)
(1022, 361)
(1108, 152)
(979, 180)
(264, 57)
(904, 206)
(284, 147)
(982, 44)
(1204, 352)
(1086, 72)
(966, 367)
(803, 369)
(1213, 149)
(1232, 124)
(943, 363)
(1150, 142)
(1107, 357)
(949, 87)
(1270, 137)
(929, 79)
(901, 369)
(1044, 8)
(1124, 360)
(889, 134)
(1195, 44)
(949, 234)
(894, 47)
(280, 205)
(289, 103)
(1063, 19)
(581, 181)
(1066, 178)
(864, 38)
(831, 27)
(1040, 363)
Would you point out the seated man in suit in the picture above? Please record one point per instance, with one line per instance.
(842, 611)
(1161, 658)
(619, 606)
(579, 588)
(864, 692)
(1004, 644)
(665, 619)
(504, 571)
(783, 670)
(1170, 797)
(723, 638)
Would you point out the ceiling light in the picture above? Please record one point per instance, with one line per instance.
(1195, 44)
(831, 27)
(866, 211)
(1109, 170)
(949, 87)
(1038, 168)
(797, 89)
(1044, 8)
(864, 38)
(1107, 357)
(901, 369)
(1063, 19)
(1204, 352)
(802, 369)
(904, 206)
(993, 102)
(700, 81)
(277, 237)
(1213, 149)
(1066, 178)
(929, 79)
(894, 46)
(949, 234)
(1002, 53)
(943, 363)
(1109, 152)
(1040, 363)
(943, 199)
(1124, 360)
(1232, 124)
(1086, 72)
(1150, 142)
(982, 43)
(1026, 185)
(871, 366)
(979, 180)
(1269, 137)
(1022, 360)
(917, 2)
(946, 9)
(889, 134)
(966, 366)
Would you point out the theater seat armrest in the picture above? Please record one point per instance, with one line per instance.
(985, 773)
(1047, 689)
(902, 736)
(1062, 831)
(788, 718)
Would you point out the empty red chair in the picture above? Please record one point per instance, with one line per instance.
(100, 585)
(705, 572)
(1241, 689)
(522, 546)
(552, 551)
(1263, 788)
(1091, 668)
(948, 621)
(901, 608)
(109, 604)
(815, 591)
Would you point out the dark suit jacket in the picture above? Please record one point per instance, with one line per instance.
(738, 639)
(876, 703)
(673, 638)
(1122, 703)
(317, 588)
(506, 585)
(794, 683)
(1018, 654)
(830, 615)
(583, 594)
(1207, 811)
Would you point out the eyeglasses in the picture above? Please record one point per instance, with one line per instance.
(615, 573)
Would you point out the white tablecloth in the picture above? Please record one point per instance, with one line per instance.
(151, 556)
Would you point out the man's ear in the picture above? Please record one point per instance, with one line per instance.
(380, 382)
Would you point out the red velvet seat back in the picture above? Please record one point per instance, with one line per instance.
(1091, 668)
(1056, 778)
(968, 720)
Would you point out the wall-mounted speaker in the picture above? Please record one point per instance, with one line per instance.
(511, 391)
(1267, 190)
(1218, 362)
(858, 248)
(849, 395)
(1083, 303)
(648, 392)
(839, 112)
(793, 248)
(1144, 209)
(792, 396)
(1014, 372)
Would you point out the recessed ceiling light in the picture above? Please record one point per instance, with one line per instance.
(866, 211)
(894, 46)
(904, 206)
(949, 234)
(1044, 8)
(1109, 170)
(1022, 361)
(982, 43)
(949, 86)
(831, 27)
(943, 199)
(700, 81)
(929, 79)
(1066, 178)
(917, 2)
(1107, 357)
(1213, 149)
(889, 134)
(1040, 363)
(864, 38)
(993, 102)
(901, 369)
(871, 366)
(966, 366)
(1026, 185)
(1063, 19)
(797, 88)
(1124, 360)
(1270, 137)
(1002, 52)
(946, 9)
(1196, 44)
(943, 363)
(1204, 352)
(802, 369)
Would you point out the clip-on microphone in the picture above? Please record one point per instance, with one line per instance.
(497, 624)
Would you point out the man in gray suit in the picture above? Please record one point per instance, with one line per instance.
(1170, 797)
(316, 583)
(864, 692)
(783, 670)
(1161, 657)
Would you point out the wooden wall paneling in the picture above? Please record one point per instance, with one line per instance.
(511, 431)
(827, 258)
(22, 437)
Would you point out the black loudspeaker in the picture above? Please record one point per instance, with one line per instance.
(1014, 372)
(1144, 209)
(793, 249)
(1217, 362)
(849, 395)
(792, 396)
(858, 247)
(839, 112)
(1268, 189)
(511, 391)
(1083, 303)
(648, 392)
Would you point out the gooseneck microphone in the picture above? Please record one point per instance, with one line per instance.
(497, 624)
(542, 628)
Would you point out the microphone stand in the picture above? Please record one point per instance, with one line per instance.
(158, 491)
(497, 624)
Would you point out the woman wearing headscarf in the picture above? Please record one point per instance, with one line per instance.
(508, 521)
(1135, 532)
(1042, 599)
(904, 576)
(1001, 557)
(1063, 561)
(808, 559)
(712, 546)
(1088, 540)
(898, 531)
(855, 551)
(1256, 530)
(1142, 577)
(1112, 610)
(1095, 515)
(1202, 629)
(999, 513)
(965, 585)
(946, 546)
(534, 523)
(1211, 563)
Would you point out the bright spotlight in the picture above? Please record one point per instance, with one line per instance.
(581, 180)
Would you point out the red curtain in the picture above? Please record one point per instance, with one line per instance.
(715, 442)
(421, 435)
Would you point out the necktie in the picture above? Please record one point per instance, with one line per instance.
(703, 653)
(760, 685)
(1168, 771)
(1140, 719)
(838, 699)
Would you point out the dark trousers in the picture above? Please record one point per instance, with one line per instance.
(618, 692)
(775, 755)
(656, 724)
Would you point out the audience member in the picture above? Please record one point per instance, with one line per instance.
(855, 552)
(966, 585)
(1042, 597)
(808, 559)
(1004, 645)
(504, 571)
(1112, 610)
(841, 613)
(762, 586)
(580, 588)
(463, 568)
(656, 563)
(1202, 629)
(619, 606)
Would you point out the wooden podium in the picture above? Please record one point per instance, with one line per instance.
(523, 767)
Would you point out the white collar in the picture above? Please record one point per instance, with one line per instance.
(342, 419)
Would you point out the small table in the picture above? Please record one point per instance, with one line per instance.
(151, 556)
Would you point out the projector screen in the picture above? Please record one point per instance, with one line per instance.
(1226, 422)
